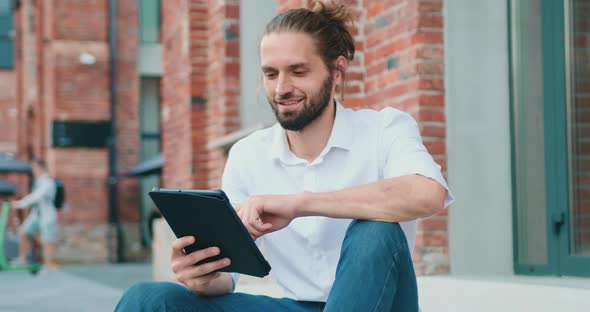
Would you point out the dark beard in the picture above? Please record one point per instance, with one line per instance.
(313, 107)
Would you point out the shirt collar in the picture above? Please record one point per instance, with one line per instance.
(340, 137)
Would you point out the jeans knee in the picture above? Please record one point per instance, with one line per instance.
(134, 295)
(149, 296)
(372, 237)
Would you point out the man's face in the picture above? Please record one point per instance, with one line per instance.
(298, 84)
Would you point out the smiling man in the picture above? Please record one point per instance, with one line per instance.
(333, 193)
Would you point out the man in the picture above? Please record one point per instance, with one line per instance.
(326, 189)
(42, 218)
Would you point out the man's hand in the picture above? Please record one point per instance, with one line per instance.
(13, 204)
(268, 213)
(199, 278)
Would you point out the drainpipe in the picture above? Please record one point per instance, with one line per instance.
(115, 241)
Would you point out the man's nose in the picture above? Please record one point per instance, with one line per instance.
(283, 86)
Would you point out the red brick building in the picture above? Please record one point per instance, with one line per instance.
(62, 75)
(183, 81)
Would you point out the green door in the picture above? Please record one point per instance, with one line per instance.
(550, 83)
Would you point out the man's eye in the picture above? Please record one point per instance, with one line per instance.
(299, 73)
(270, 75)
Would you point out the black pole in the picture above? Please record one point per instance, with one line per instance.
(115, 234)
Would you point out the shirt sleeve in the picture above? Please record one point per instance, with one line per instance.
(231, 181)
(41, 190)
(234, 280)
(405, 153)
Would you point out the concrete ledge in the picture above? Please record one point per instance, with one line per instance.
(228, 140)
(161, 251)
(450, 293)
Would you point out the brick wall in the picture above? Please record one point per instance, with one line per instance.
(199, 63)
(18, 67)
(176, 94)
(354, 91)
(8, 111)
(9, 124)
(54, 85)
(128, 137)
(580, 125)
(223, 77)
(88, 24)
(200, 88)
(399, 63)
(15, 114)
(285, 5)
(73, 91)
(405, 41)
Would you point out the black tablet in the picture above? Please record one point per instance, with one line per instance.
(209, 217)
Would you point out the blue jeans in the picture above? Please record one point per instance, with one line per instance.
(374, 273)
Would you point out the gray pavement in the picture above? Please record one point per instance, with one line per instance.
(71, 288)
(99, 287)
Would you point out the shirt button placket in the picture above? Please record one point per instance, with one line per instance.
(309, 180)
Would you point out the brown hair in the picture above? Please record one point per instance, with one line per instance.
(326, 23)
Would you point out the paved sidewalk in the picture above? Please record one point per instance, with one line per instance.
(54, 291)
(71, 288)
(99, 287)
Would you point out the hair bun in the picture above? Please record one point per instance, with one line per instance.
(335, 11)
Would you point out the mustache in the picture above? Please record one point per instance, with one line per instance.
(286, 97)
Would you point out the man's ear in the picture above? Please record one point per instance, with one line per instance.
(341, 65)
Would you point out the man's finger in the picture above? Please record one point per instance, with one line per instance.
(246, 214)
(179, 244)
(252, 230)
(203, 254)
(183, 262)
(241, 215)
(261, 226)
(204, 269)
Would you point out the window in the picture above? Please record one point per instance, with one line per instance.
(150, 50)
(578, 72)
(150, 146)
(150, 118)
(149, 21)
(529, 133)
(6, 35)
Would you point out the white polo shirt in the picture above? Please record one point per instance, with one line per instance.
(364, 146)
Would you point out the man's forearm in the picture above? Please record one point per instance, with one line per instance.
(392, 200)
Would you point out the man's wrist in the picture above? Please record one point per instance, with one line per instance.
(302, 204)
(226, 283)
(220, 286)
